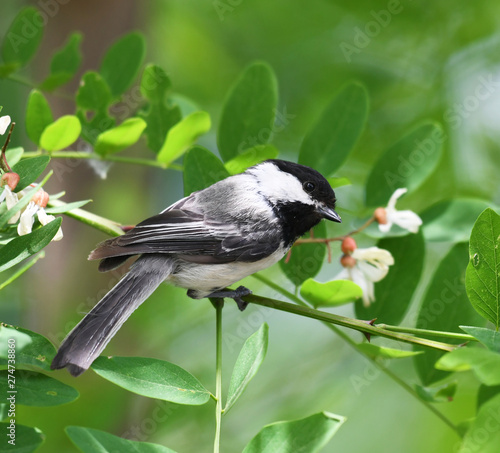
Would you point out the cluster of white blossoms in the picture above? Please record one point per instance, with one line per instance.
(367, 266)
(36, 207)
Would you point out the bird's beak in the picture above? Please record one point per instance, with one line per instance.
(329, 213)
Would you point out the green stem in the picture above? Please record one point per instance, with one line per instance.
(351, 323)
(110, 158)
(218, 304)
(21, 271)
(432, 333)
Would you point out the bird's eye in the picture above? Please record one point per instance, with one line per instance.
(309, 186)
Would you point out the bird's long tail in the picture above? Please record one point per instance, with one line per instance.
(87, 340)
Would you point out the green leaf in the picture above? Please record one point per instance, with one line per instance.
(64, 64)
(93, 92)
(451, 220)
(38, 116)
(27, 439)
(485, 364)
(120, 137)
(444, 307)
(251, 356)
(330, 294)
(339, 182)
(99, 123)
(61, 133)
(13, 155)
(329, 141)
(159, 119)
(307, 435)
(29, 170)
(122, 62)
(90, 440)
(201, 169)
(23, 37)
(386, 353)
(490, 338)
(483, 435)
(152, 378)
(36, 389)
(65, 207)
(248, 113)
(31, 348)
(407, 163)
(437, 394)
(482, 279)
(181, 136)
(485, 393)
(394, 293)
(306, 260)
(155, 84)
(22, 247)
(250, 157)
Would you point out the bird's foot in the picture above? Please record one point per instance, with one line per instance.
(235, 294)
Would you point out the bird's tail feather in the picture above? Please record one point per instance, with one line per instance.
(87, 340)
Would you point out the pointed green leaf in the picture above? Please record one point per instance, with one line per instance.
(120, 137)
(61, 133)
(31, 348)
(29, 170)
(181, 136)
(483, 435)
(248, 113)
(122, 62)
(152, 378)
(329, 141)
(65, 207)
(23, 247)
(452, 220)
(27, 439)
(90, 440)
(201, 169)
(400, 283)
(38, 116)
(37, 389)
(490, 338)
(305, 260)
(307, 435)
(250, 157)
(23, 37)
(437, 394)
(485, 364)
(93, 92)
(330, 294)
(155, 83)
(375, 351)
(445, 307)
(407, 163)
(64, 64)
(482, 279)
(247, 364)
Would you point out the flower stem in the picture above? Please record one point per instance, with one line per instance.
(425, 332)
(218, 304)
(110, 158)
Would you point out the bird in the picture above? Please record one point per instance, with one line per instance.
(204, 243)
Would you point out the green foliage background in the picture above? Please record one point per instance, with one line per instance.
(432, 60)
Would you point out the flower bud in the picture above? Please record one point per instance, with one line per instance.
(347, 261)
(10, 179)
(348, 245)
(41, 198)
(380, 215)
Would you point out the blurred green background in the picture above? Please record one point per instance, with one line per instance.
(419, 60)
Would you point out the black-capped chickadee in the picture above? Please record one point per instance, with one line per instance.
(204, 243)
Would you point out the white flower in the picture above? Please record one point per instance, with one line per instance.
(11, 199)
(371, 265)
(27, 218)
(4, 123)
(390, 215)
(45, 218)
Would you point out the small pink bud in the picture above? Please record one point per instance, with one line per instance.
(11, 179)
(347, 261)
(380, 216)
(41, 198)
(348, 245)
